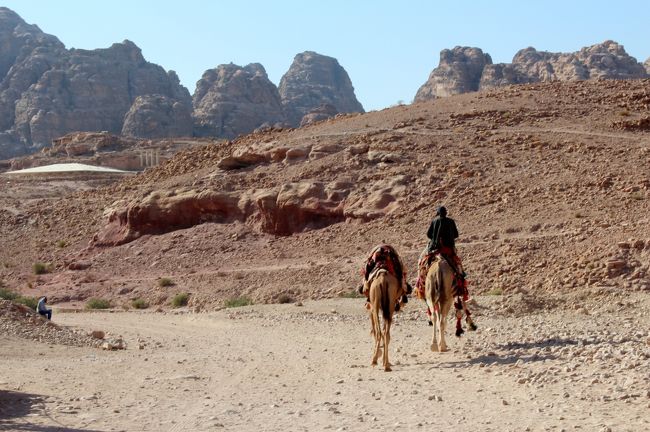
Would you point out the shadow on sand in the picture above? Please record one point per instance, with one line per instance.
(16, 406)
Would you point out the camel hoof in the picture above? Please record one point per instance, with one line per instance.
(434, 348)
(387, 369)
(444, 349)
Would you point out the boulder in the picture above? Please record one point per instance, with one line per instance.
(312, 81)
(322, 112)
(231, 100)
(459, 71)
(158, 116)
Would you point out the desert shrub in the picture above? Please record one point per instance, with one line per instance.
(139, 304)
(165, 282)
(61, 244)
(350, 294)
(238, 302)
(180, 299)
(30, 302)
(6, 294)
(41, 268)
(98, 303)
(285, 298)
(638, 195)
(495, 292)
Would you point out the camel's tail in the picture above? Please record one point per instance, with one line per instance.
(385, 298)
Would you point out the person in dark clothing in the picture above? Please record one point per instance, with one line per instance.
(442, 234)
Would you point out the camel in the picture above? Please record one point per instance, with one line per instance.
(385, 290)
(439, 295)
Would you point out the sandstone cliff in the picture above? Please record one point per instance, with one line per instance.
(459, 71)
(231, 100)
(464, 69)
(47, 91)
(313, 80)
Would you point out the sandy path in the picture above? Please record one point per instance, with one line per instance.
(284, 367)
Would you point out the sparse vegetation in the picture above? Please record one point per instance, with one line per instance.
(351, 294)
(30, 302)
(180, 300)
(495, 292)
(6, 294)
(638, 195)
(139, 304)
(165, 282)
(61, 244)
(579, 215)
(41, 268)
(234, 302)
(98, 303)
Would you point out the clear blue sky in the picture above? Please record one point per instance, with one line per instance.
(387, 47)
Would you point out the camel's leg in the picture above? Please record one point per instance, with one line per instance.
(443, 325)
(374, 317)
(386, 342)
(434, 321)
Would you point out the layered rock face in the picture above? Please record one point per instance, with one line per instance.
(313, 80)
(231, 100)
(47, 91)
(157, 116)
(460, 70)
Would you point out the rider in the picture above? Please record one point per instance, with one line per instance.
(387, 257)
(442, 234)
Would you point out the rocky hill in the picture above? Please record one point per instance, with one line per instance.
(47, 91)
(465, 69)
(314, 80)
(546, 182)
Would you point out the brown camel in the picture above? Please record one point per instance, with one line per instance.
(439, 295)
(385, 290)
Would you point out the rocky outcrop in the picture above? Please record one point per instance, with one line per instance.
(647, 66)
(313, 80)
(47, 91)
(231, 100)
(459, 68)
(322, 112)
(157, 116)
(459, 71)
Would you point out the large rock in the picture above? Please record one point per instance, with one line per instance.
(157, 116)
(312, 81)
(231, 100)
(466, 69)
(47, 91)
(322, 112)
(459, 71)
(283, 210)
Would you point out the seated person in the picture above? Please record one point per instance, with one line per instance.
(42, 309)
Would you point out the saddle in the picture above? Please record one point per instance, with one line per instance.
(426, 261)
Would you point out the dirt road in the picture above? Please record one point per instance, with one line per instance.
(288, 367)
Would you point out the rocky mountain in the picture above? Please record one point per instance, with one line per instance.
(231, 100)
(465, 69)
(313, 80)
(47, 90)
(459, 71)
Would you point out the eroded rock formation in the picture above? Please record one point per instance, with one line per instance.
(463, 69)
(313, 80)
(231, 100)
(47, 91)
(459, 71)
(157, 116)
